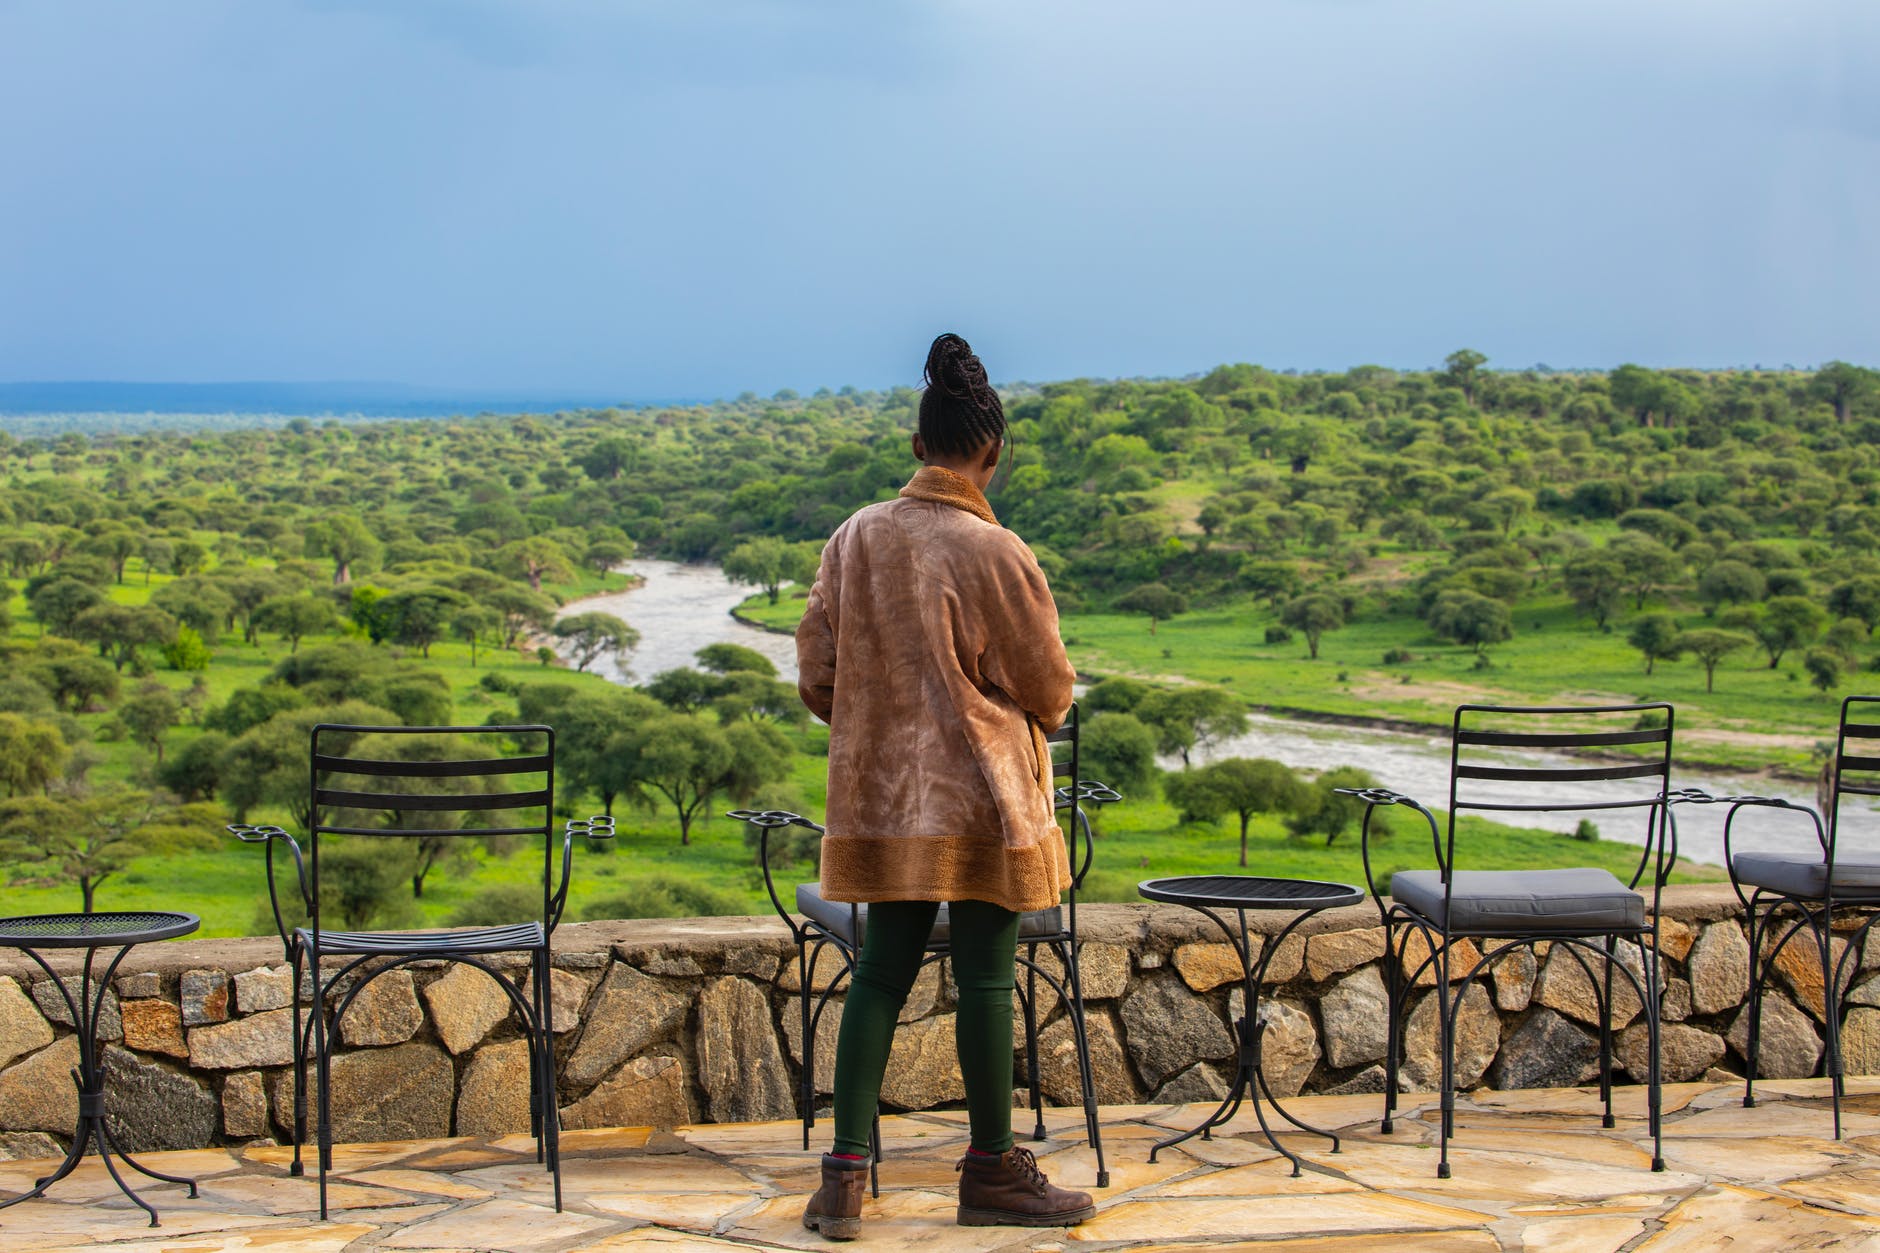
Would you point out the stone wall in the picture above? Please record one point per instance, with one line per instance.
(661, 1022)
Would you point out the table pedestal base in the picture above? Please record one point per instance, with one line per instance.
(1248, 1082)
(93, 1129)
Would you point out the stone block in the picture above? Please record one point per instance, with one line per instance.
(1546, 1051)
(1860, 1042)
(1463, 956)
(646, 1092)
(1110, 1073)
(827, 1028)
(1169, 1028)
(1676, 1006)
(1564, 985)
(29, 1146)
(244, 1044)
(1370, 1079)
(1356, 1015)
(465, 1004)
(399, 1093)
(758, 962)
(51, 1002)
(1799, 964)
(36, 1093)
(1289, 1045)
(567, 993)
(1200, 1082)
(1104, 970)
(1288, 960)
(1675, 937)
(244, 1106)
(154, 1027)
(925, 994)
(1788, 1047)
(1478, 1039)
(1204, 967)
(1513, 977)
(23, 1029)
(1867, 993)
(493, 1097)
(1684, 1053)
(151, 1107)
(205, 997)
(257, 991)
(1718, 968)
(1335, 952)
(385, 1011)
(630, 1012)
(924, 1066)
(739, 1064)
(141, 986)
(828, 971)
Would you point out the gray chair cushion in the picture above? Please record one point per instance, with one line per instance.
(1535, 901)
(1806, 874)
(834, 916)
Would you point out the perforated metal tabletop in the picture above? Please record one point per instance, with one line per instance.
(1239, 891)
(94, 930)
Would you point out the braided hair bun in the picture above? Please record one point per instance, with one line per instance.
(959, 412)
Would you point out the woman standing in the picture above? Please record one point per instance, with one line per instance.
(930, 647)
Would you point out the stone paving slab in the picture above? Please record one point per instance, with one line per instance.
(1534, 1170)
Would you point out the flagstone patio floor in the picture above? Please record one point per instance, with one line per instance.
(1533, 1170)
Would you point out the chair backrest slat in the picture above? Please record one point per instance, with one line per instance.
(430, 831)
(403, 801)
(1862, 730)
(1564, 739)
(1559, 774)
(1860, 763)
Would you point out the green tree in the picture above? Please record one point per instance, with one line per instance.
(198, 604)
(1824, 669)
(296, 617)
(1236, 785)
(345, 539)
(726, 658)
(473, 623)
(1655, 635)
(1843, 386)
(58, 603)
(32, 753)
(590, 636)
(148, 715)
(1596, 581)
(535, 559)
(1471, 618)
(1119, 749)
(1710, 646)
(1858, 597)
(1155, 601)
(1462, 369)
(522, 611)
(266, 767)
(1271, 580)
(1192, 717)
(1648, 565)
(419, 617)
(1118, 694)
(194, 771)
(1729, 582)
(85, 840)
(120, 630)
(77, 683)
(1787, 622)
(763, 562)
(1320, 810)
(688, 761)
(1312, 615)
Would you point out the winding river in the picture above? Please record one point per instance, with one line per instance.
(679, 609)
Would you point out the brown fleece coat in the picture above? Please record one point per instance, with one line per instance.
(930, 647)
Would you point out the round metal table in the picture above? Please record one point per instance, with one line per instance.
(91, 932)
(1210, 895)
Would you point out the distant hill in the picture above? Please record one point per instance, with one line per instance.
(56, 407)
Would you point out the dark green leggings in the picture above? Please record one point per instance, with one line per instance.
(984, 941)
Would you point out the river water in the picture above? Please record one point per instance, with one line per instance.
(679, 609)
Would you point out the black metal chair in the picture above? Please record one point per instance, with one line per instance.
(1798, 893)
(839, 926)
(425, 797)
(1585, 912)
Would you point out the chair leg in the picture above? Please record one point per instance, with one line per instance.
(808, 1085)
(551, 1097)
(1606, 1010)
(536, 1086)
(1654, 1046)
(1824, 943)
(874, 1155)
(1758, 930)
(297, 1168)
(1033, 1077)
(1086, 1074)
(1445, 1044)
(1393, 1025)
(323, 1072)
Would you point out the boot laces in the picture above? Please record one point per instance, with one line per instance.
(1026, 1167)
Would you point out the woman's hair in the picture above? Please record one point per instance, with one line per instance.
(959, 411)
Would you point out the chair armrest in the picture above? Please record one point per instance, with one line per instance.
(249, 833)
(1375, 798)
(766, 821)
(1086, 791)
(594, 827)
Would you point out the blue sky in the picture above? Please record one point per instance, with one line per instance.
(695, 198)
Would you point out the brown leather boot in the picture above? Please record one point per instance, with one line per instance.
(1010, 1191)
(836, 1208)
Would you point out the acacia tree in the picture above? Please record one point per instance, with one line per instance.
(1236, 785)
(688, 760)
(590, 636)
(521, 611)
(1194, 717)
(294, 618)
(149, 713)
(1655, 635)
(471, 623)
(32, 753)
(345, 539)
(419, 616)
(1787, 622)
(1470, 618)
(535, 559)
(85, 840)
(1312, 615)
(1156, 601)
(120, 630)
(1710, 646)
(1595, 581)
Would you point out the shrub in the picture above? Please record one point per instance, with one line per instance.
(1398, 656)
(501, 684)
(1278, 635)
(1587, 830)
(664, 896)
(498, 904)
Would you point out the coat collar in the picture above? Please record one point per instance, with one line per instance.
(944, 487)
